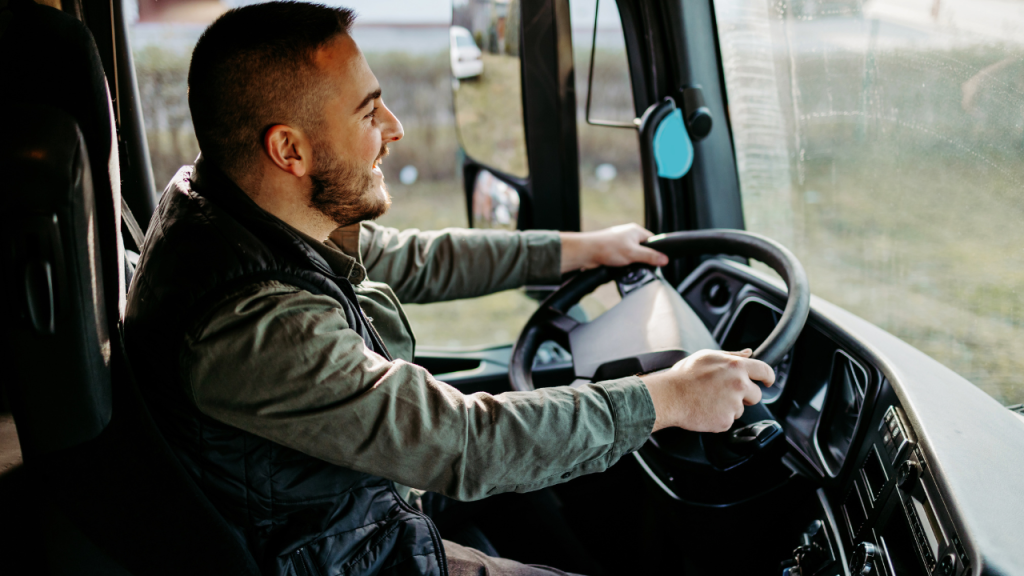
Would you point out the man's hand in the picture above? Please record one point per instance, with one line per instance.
(616, 246)
(706, 391)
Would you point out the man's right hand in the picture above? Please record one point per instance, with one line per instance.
(706, 391)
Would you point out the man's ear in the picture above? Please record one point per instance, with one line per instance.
(288, 149)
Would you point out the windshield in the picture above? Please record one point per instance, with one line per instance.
(464, 42)
(883, 141)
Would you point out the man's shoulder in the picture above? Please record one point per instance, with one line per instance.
(262, 303)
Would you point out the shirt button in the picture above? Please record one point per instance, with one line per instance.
(566, 475)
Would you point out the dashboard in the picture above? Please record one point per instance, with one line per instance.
(882, 450)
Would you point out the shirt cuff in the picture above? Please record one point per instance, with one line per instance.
(543, 257)
(633, 410)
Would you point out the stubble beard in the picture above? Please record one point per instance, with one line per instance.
(343, 191)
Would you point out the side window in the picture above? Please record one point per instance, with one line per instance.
(611, 183)
(486, 81)
(881, 141)
(409, 52)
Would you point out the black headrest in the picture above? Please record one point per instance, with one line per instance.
(49, 58)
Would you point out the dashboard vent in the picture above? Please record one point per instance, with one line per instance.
(854, 511)
(874, 474)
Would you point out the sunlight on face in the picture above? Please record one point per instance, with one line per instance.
(348, 185)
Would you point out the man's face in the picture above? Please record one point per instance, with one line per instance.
(348, 186)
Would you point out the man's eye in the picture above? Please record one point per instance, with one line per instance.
(373, 113)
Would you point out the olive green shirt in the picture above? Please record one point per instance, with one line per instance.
(282, 363)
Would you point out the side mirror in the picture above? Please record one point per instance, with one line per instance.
(495, 203)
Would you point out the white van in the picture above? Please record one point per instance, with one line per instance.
(465, 54)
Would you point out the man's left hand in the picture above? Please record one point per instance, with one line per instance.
(615, 246)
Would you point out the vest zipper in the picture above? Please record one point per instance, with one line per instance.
(435, 535)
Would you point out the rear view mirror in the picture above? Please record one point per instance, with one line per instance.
(495, 203)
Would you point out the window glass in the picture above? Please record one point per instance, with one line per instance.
(882, 142)
(487, 83)
(611, 184)
(407, 44)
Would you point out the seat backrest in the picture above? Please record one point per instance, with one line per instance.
(99, 491)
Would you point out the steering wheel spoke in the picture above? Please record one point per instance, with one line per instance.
(558, 324)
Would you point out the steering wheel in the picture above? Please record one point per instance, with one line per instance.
(653, 327)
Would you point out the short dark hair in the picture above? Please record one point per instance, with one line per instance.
(254, 68)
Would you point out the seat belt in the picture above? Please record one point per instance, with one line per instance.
(132, 224)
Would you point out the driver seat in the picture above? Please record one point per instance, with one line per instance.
(100, 491)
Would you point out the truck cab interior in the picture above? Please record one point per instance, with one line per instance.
(837, 183)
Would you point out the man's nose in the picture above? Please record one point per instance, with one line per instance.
(392, 131)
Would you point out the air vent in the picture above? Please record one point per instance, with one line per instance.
(874, 474)
(854, 511)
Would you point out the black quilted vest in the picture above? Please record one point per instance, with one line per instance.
(298, 515)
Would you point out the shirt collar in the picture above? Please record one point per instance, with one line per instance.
(341, 251)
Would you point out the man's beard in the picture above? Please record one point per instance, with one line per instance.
(343, 191)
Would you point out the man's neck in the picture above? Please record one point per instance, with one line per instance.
(287, 198)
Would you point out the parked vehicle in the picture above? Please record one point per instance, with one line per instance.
(465, 54)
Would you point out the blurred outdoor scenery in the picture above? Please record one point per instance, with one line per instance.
(882, 141)
(406, 43)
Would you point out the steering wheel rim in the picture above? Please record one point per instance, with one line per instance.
(675, 245)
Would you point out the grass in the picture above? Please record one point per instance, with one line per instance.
(489, 113)
(486, 321)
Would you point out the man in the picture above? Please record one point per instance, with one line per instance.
(265, 317)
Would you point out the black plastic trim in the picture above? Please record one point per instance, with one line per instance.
(549, 113)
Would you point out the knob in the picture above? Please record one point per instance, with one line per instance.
(716, 293)
(907, 475)
(862, 560)
(948, 565)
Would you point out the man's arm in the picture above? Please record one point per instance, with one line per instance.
(615, 246)
(282, 364)
(456, 263)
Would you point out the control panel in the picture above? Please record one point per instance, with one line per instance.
(894, 435)
(888, 514)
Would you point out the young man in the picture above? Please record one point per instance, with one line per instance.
(265, 321)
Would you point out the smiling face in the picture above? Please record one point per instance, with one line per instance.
(351, 139)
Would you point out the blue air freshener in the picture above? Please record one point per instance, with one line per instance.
(673, 151)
